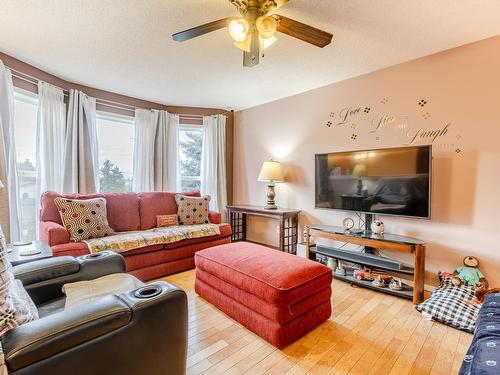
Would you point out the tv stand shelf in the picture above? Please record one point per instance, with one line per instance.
(386, 241)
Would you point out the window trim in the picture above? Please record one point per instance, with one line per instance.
(115, 117)
(25, 96)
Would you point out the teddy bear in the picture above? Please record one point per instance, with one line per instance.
(470, 275)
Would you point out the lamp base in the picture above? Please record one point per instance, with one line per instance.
(271, 207)
(271, 194)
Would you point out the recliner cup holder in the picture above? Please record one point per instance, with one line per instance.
(148, 291)
(96, 255)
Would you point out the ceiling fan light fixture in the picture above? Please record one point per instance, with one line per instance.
(267, 26)
(266, 43)
(245, 45)
(238, 29)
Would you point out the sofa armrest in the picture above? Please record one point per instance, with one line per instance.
(107, 336)
(53, 233)
(43, 279)
(215, 217)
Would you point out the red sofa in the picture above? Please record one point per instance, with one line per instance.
(131, 212)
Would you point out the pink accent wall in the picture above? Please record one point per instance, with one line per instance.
(461, 87)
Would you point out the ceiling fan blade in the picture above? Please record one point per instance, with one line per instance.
(303, 32)
(201, 30)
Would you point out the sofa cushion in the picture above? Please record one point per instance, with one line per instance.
(85, 218)
(49, 211)
(81, 248)
(192, 210)
(122, 209)
(157, 203)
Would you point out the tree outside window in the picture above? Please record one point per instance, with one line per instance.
(190, 149)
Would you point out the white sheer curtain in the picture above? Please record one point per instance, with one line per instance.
(213, 162)
(165, 152)
(8, 160)
(51, 126)
(81, 154)
(144, 143)
(155, 145)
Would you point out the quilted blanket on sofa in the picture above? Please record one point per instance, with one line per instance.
(127, 241)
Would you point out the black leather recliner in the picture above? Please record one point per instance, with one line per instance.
(139, 332)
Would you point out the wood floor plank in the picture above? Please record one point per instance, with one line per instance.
(368, 333)
(444, 359)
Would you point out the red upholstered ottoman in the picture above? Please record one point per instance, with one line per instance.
(278, 296)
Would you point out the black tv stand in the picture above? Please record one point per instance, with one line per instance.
(386, 241)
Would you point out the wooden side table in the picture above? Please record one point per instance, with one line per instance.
(288, 219)
(14, 252)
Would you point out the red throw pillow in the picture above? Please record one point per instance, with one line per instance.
(166, 220)
(192, 210)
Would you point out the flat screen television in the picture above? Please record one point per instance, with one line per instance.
(392, 181)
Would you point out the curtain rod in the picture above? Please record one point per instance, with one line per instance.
(112, 104)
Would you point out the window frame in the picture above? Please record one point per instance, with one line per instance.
(119, 119)
(180, 178)
(27, 97)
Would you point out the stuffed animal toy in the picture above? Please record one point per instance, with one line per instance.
(469, 275)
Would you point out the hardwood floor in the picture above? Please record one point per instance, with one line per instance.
(368, 333)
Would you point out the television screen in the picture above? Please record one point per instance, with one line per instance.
(394, 181)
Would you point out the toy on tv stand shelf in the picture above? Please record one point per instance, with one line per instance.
(371, 275)
(470, 275)
(340, 270)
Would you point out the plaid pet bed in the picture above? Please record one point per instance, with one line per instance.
(451, 305)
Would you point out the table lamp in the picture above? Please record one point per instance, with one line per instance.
(271, 172)
(359, 171)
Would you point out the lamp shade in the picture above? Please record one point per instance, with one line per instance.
(271, 171)
(359, 170)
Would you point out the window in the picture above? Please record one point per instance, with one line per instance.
(116, 152)
(190, 148)
(26, 113)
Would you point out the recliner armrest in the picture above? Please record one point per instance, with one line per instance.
(45, 269)
(36, 279)
(43, 338)
(139, 332)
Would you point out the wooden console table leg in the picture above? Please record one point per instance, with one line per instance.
(282, 234)
(419, 277)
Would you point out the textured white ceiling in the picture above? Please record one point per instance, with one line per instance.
(125, 45)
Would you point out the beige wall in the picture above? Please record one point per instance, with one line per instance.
(461, 87)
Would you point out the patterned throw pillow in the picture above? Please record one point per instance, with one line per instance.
(84, 219)
(166, 220)
(16, 306)
(192, 210)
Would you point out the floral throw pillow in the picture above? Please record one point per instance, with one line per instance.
(84, 219)
(192, 210)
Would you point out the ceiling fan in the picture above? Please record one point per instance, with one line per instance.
(255, 31)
